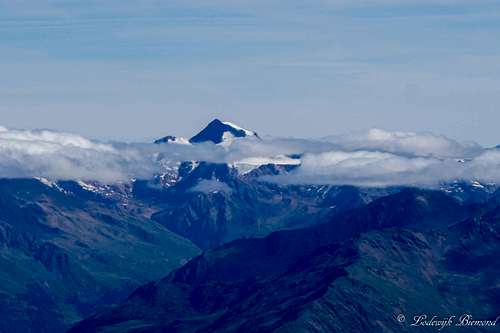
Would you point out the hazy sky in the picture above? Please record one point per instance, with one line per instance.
(136, 70)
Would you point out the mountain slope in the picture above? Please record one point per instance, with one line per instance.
(358, 271)
(63, 252)
(214, 204)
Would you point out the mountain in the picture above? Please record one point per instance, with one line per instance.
(357, 272)
(470, 192)
(211, 203)
(67, 249)
(171, 139)
(275, 257)
(218, 132)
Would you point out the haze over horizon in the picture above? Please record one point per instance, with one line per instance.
(136, 70)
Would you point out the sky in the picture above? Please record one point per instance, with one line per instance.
(136, 70)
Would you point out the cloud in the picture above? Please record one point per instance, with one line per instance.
(406, 143)
(372, 169)
(381, 169)
(373, 158)
(56, 155)
(66, 156)
(379, 158)
(43, 141)
(211, 186)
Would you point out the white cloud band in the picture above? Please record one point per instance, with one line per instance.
(373, 158)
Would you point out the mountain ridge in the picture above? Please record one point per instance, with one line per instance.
(310, 281)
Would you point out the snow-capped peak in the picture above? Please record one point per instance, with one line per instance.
(221, 132)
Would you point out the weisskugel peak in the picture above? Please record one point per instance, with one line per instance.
(216, 132)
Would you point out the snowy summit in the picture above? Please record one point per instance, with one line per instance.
(221, 131)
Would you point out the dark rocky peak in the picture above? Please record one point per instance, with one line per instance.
(217, 132)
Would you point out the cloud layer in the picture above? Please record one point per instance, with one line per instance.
(372, 158)
(409, 143)
(57, 155)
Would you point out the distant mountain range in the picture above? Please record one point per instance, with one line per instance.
(246, 254)
(410, 253)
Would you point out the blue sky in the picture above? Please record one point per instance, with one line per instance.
(135, 70)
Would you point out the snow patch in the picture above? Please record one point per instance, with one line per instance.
(248, 164)
(247, 132)
(180, 141)
(52, 184)
(477, 184)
